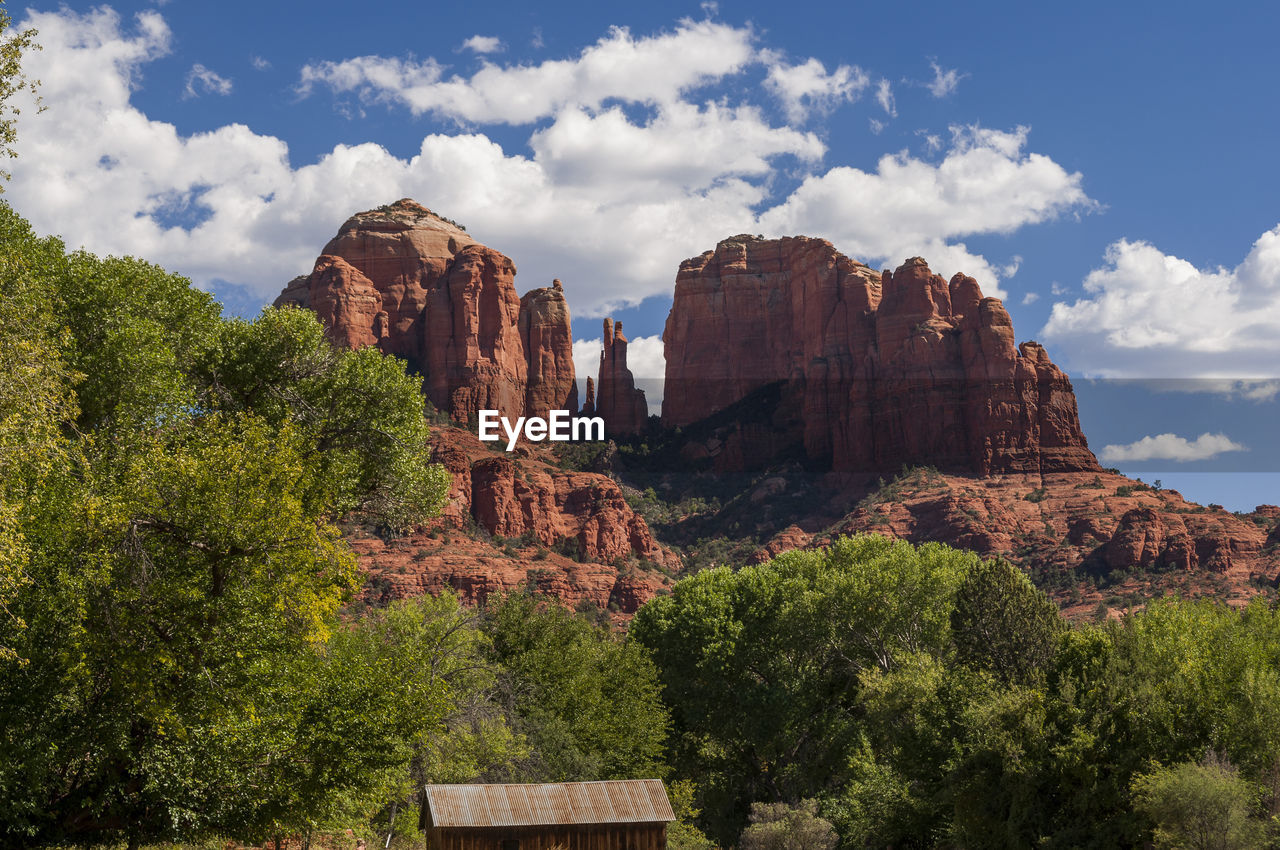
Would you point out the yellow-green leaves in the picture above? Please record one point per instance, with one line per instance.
(12, 82)
(170, 566)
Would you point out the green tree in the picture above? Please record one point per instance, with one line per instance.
(776, 826)
(587, 701)
(1200, 806)
(36, 399)
(168, 547)
(12, 81)
(683, 833)
(763, 668)
(361, 712)
(1003, 624)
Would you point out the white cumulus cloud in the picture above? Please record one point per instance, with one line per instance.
(607, 200)
(807, 87)
(986, 183)
(648, 70)
(1148, 314)
(1171, 447)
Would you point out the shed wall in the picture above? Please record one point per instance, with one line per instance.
(635, 836)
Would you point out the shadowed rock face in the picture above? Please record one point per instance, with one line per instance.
(878, 369)
(617, 401)
(419, 287)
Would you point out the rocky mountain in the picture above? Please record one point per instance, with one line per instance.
(876, 370)
(806, 396)
(419, 287)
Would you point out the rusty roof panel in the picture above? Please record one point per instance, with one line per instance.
(554, 804)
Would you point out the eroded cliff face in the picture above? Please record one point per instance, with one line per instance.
(873, 370)
(622, 407)
(419, 287)
(548, 344)
(570, 534)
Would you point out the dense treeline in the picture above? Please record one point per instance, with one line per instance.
(173, 661)
(924, 698)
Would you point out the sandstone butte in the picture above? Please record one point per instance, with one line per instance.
(876, 370)
(419, 287)
(781, 355)
(865, 375)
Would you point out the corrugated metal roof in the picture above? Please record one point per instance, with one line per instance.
(555, 804)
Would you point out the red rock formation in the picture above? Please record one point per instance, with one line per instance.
(1132, 539)
(474, 356)
(538, 515)
(618, 402)
(417, 285)
(517, 494)
(548, 342)
(875, 370)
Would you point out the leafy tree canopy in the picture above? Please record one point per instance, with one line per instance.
(169, 486)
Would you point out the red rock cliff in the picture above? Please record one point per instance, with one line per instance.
(617, 401)
(418, 286)
(548, 345)
(887, 369)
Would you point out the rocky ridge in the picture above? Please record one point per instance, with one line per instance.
(517, 520)
(794, 373)
(875, 370)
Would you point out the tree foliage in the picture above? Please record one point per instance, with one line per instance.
(1003, 624)
(777, 826)
(927, 698)
(763, 668)
(12, 82)
(586, 700)
(1200, 806)
(169, 486)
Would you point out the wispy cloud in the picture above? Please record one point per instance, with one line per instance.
(807, 87)
(201, 80)
(945, 81)
(884, 97)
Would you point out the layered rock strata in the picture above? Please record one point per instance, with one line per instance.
(571, 534)
(874, 370)
(419, 287)
(622, 407)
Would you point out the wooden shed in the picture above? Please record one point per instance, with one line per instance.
(618, 815)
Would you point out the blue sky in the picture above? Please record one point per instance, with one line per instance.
(1109, 171)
